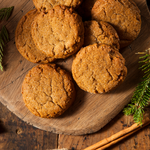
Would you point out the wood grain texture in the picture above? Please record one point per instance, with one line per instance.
(15, 134)
(90, 112)
(138, 141)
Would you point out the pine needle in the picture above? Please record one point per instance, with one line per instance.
(141, 95)
(5, 13)
(3, 38)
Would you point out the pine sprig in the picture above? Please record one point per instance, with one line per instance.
(3, 39)
(5, 13)
(141, 96)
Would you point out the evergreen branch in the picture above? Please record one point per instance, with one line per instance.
(5, 13)
(141, 95)
(3, 38)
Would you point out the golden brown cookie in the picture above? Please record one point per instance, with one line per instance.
(24, 41)
(100, 32)
(98, 68)
(59, 33)
(49, 4)
(48, 91)
(123, 15)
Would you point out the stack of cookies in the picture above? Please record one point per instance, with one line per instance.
(54, 30)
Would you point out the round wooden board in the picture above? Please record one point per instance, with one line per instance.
(90, 112)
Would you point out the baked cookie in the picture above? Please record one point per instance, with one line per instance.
(48, 91)
(98, 68)
(100, 32)
(59, 33)
(123, 15)
(49, 4)
(24, 41)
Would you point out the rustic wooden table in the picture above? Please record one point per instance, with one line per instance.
(18, 135)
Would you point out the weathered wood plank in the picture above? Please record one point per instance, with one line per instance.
(18, 135)
(138, 141)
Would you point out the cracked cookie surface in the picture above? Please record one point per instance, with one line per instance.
(98, 68)
(59, 33)
(48, 91)
(24, 41)
(100, 32)
(45, 5)
(123, 15)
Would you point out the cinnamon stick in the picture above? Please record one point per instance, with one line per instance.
(121, 138)
(118, 136)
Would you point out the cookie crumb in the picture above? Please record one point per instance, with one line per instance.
(19, 131)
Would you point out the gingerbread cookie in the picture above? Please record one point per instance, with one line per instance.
(48, 91)
(100, 32)
(123, 15)
(24, 41)
(59, 33)
(98, 68)
(45, 6)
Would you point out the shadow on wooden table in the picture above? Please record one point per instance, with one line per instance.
(2, 128)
